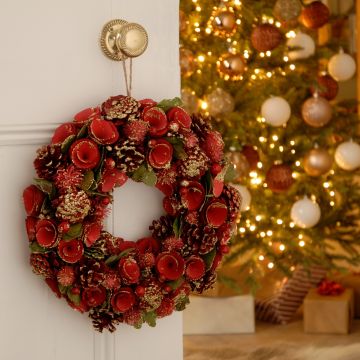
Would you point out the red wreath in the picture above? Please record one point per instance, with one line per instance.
(115, 280)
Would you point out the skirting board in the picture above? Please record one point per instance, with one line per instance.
(219, 315)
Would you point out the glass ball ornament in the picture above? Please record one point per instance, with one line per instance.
(190, 100)
(252, 156)
(279, 178)
(187, 62)
(305, 213)
(241, 165)
(305, 45)
(287, 10)
(316, 111)
(265, 37)
(219, 102)
(342, 66)
(347, 155)
(315, 15)
(317, 162)
(327, 88)
(224, 22)
(245, 196)
(231, 65)
(276, 111)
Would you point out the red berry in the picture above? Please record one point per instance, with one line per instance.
(167, 288)
(110, 163)
(215, 169)
(75, 291)
(140, 291)
(64, 227)
(106, 201)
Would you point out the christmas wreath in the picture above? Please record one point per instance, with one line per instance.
(116, 280)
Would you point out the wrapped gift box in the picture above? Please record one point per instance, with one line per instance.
(328, 314)
(219, 315)
(352, 281)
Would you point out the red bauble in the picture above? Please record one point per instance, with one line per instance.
(328, 87)
(315, 15)
(279, 178)
(252, 156)
(265, 37)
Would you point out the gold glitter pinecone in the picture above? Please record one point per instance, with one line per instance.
(120, 108)
(48, 160)
(194, 165)
(128, 156)
(40, 265)
(73, 206)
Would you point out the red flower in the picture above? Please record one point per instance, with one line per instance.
(166, 180)
(66, 276)
(129, 271)
(30, 224)
(195, 268)
(123, 300)
(148, 244)
(71, 251)
(160, 154)
(53, 286)
(85, 154)
(87, 114)
(46, 233)
(103, 132)
(170, 265)
(133, 317)
(91, 233)
(166, 308)
(192, 195)
(216, 213)
(33, 200)
(146, 103)
(112, 178)
(171, 205)
(112, 280)
(62, 132)
(179, 116)
(136, 130)
(157, 121)
(94, 296)
(213, 146)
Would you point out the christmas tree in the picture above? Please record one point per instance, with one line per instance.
(267, 73)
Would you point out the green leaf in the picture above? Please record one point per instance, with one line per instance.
(46, 186)
(176, 283)
(75, 298)
(167, 104)
(179, 151)
(63, 289)
(230, 174)
(150, 318)
(75, 231)
(35, 248)
(147, 176)
(114, 258)
(181, 303)
(176, 227)
(88, 181)
(139, 173)
(65, 146)
(209, 258)
(83, 131)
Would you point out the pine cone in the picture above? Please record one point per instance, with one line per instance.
(191, 235)
(162, 228)
(120, 108)
(128, 156)
(73, 206)
(91, 273)
(205, 283)
(152, 298)
(208, 241)
(111, 244)
(233, 201)
(195, 164)
(200, 125)
(40, 265)
(104, 319)
(48, 160)
(97, 251)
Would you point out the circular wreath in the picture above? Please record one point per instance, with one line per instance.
(116, 280)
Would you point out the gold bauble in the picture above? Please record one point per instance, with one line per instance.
(317, 162)
(241, 165)
(232, 65)
(316, 111)
(187, 62)
(224, 22)
(219, 102)
(190, 100)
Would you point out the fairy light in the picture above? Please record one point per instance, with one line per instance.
(253, 174)
(209, 53)
(332, 203)
(293, 151)
(263, 234)
(246, 54)
(292, 142)
(278, 24)
(237, 3)
(295, 175)
(297, 163)
(270, 265)
(228, 40)
(326, 185)
(290, 34)
(292, 268)
(253, 77)
(204, 105)
(275, 137)
(279, 221)
(270, 243)
(272, 146)
(292, 225)
(258, 217)
(197, 30)
(269, 74)
(302, 243)
(286, 58)
(292, 67)
(196, 24)
(261, 257)
(268, 53)
(242, 230)
(332, 193)
(208, 30)
(262, 54)
(271, 21)
(269, 233)
(281, 148)
(201, 58)
(282, 247)
(262, 139)
(198, 8)
(300, 236)
(259, 165)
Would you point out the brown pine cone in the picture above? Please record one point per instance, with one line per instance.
(91, 273)
(120, 108)
(233, 201)
(208, 241)
(128, 156)
(49, 159)
(40, 265)
(194, 165)
(200, 125)
(205, 283)
(191, 235)
(162, 228)
(104, 319)
(99, 250)
(152, 297)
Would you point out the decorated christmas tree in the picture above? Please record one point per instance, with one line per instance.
(266, 73)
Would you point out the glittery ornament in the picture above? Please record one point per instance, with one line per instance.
(286, 10)
(327, 87)
(265, 37)
(241, 165)
(120, 108)
(317, 162)
(252, 156)
(190, 100)
(279, 178)
(73, 206)
(219, 102)
(316, 111)
(224, 22)
(231, 65)
(315, 15)
(187, 62)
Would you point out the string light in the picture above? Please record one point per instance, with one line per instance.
(268, 53)
(282, 247)
(208, 30)
(261, 257)
(259, 165)
(275, 137)
(302, 243)
(263, 234)
(270, 265)
(297, 163)
(291, 34)
(252, 228)
(326, 185)
(198, 8)
(201, 58)
(292, 225)
(242, 230)
(292, 66)
(269, 233)
(279, 221)
(262, 54)
(332, 193)
(204, 105)
(258, 218)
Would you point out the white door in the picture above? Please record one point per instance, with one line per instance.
(50, 68)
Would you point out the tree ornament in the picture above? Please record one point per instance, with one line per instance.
(265, 37)
(316, 111)
(232, 66)
(190, 100)
(327, 87)
(317, 162)
(279, 178)
(347, 155)
(276, 111)
(341, 66)
(245, 196)
(305, 213)
(252, 156)
(287, 10)
(116, 280)
(224, 22)
(241, 165)
(315, 15)
(187, 62)
(305, 46)
(219, 102)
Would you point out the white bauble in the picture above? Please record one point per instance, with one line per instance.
(342, 66)
(305, 213)
(347, 155)
(276, 111)
(245, 196)
(303, 41)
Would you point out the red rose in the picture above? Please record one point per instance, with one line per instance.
(216, 213)
(94, 296)
(87, 114)
(71, 251)
(33, 200)
(30, 224)
(129, 271)
(157, 120)
(123, 300)
(160, 154)
(91, 233)
(146, 103)
(170, 265)
(179, 116)
(103, 132)
(53, 286)
(85, 154)
(148, 244)
(195, 268)
(63, 132)
(192, 195)
(46, 233)
(111, 178)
